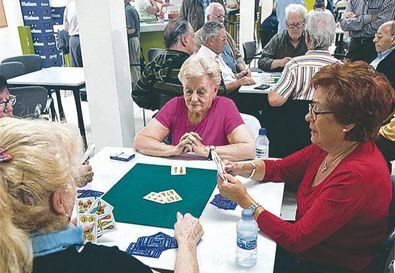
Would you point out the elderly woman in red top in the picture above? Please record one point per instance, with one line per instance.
(345, 191)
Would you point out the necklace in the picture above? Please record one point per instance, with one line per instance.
(327, 165)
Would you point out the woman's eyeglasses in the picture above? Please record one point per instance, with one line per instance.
(315, 112)
(11, 101)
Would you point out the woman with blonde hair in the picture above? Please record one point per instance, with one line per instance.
(39, 166)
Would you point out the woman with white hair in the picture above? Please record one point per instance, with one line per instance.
(198, 122)
(37, 196)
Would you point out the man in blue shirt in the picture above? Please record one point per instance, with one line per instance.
(384, 42)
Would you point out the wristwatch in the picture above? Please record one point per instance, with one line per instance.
(210, 149)
(254, 206)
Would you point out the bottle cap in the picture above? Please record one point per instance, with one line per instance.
(262, 131)
(246, 214)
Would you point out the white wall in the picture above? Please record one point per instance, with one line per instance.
(9, 37)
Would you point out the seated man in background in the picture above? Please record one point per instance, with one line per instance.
(200, 121)
(230, 53)
(159, 81)
(287, 44)
(214, 40)
(295, 81)
(384, 42)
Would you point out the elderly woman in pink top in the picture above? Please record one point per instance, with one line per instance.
(198, 122)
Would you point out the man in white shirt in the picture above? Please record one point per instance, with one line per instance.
(214, 41)
(384, 42)
(70, 24)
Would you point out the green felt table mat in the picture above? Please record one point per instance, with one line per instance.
(195, 188)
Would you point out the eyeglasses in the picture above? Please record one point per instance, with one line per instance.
(219, 16)
(296, 25)
(223, 38)
(200, 92)
(11, 101)
(314, 112)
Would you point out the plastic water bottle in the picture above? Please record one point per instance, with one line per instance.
(247, 235)
(262, 145)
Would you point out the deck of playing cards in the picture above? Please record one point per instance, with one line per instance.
(96, 212)
(152, 246)
(220, 165)
(223, 203)
(163, 197)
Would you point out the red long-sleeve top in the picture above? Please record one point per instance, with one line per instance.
(342, 220)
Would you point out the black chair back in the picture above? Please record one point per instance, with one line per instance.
(12, 69)
(153, 52)
(32, 62)
(249, 49)
(30, 101)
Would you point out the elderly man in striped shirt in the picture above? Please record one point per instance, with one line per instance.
(296, 77)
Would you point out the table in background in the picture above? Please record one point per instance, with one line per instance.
(217, 249)
(56, 79)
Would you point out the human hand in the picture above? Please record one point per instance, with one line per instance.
(85, 227)
(284, 61)
(184, 146)
(187, 230)
(197, 146)
(237, 168)
(246, 81)
(348, 15)
(86, 175)
(233, 190)
(244, 72)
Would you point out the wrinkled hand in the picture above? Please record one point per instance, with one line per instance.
(232, 189)
(197, 146)
(245, 80)
(86, 175)
(187, 229)
(237, 168)
(184, 146)
(348, 15)
(85, 227)
(284, 61)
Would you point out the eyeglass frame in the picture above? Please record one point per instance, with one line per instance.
(201, 95)
(295, 25)
(11, 99)
(314, 113)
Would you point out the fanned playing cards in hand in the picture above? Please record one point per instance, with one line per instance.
(163, 197)
(96, 212)
(152, 246)
(220, 165)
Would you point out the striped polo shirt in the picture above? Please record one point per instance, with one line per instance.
(295, 80)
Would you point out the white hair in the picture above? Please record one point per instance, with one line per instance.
(295, 8)
(320, 29)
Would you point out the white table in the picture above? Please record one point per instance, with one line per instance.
(56, 79)
(217, 249)
(259, 78)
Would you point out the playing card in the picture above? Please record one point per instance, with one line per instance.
(223, 203)
(85, 204)
(89, 193)
(135, 249)
(91, 234)
(105, 223)
(101, 207)
(154, 197)
(178, 170)
(170, 196)
(220, 165)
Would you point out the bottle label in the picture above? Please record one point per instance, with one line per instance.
(246, 244)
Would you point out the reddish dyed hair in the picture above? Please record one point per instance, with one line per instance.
(357, 95)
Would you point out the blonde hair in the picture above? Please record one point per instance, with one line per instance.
(196, 66)
(46, 158)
